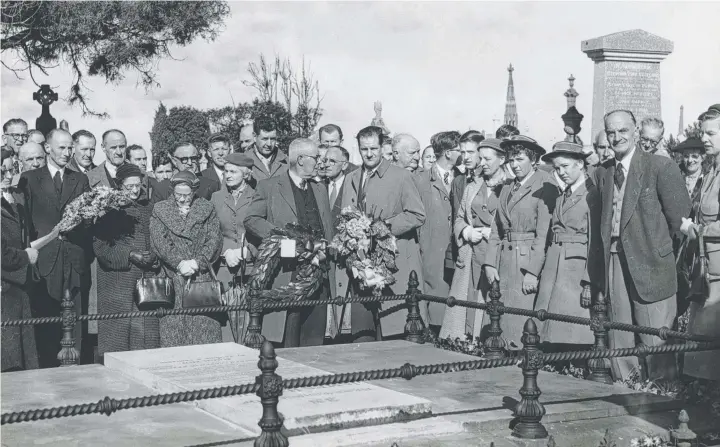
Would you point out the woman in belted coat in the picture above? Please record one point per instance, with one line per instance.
(231, 204)
(569, 270)
(705, 314)
(518, 238)
(185, 235)
(471, 230)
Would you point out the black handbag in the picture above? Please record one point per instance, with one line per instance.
(203, 293)
(154, 292)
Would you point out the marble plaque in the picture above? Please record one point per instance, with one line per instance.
(305, 410)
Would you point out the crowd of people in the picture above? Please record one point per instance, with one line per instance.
(555, 229)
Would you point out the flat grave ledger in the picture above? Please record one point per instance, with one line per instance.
(305, 410)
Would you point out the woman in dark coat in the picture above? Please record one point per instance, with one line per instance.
(185, 235)
(122, 248)
(19, 351)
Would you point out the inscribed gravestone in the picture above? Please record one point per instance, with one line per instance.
(627, 73)
(305, 409)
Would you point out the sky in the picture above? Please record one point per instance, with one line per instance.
(434, 65)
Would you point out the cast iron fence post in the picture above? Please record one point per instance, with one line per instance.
(253, 337)
(414, 327)
(495, 344)
(599, 368)
(529, 411)
(683, 436)
(271, 387)
(68, 355)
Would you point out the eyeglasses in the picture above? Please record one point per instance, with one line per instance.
(315, 158)
(188, 160)
(132, 187)
(18, 136)
(647, 142)
(182, 196)
(331, 162)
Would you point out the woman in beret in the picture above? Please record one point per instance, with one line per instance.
(122, 247)
(231, 204)
(570, 274)
(516, 246)
(185, 235)
(705, 309)
(19, 351)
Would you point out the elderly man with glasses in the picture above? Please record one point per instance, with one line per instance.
(651, 137)
(15, 134)
(185, 157)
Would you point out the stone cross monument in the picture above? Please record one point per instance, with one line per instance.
(45, 97)
(627, 73)
(379, 121)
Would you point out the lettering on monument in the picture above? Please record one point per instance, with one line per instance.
(633, 86)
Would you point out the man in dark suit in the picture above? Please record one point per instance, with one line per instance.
(83, 152)
(218, 148)
(290, 197)
(644, 200)
(185, 156)
(62, 263)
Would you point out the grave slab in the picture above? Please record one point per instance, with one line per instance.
(166, 425)
(489, 395)
(306, 410)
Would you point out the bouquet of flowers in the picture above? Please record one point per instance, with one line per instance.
(89, 206)
(367, 248)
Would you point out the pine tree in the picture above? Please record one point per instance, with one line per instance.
(159, 129)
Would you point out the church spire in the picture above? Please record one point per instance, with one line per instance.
(511, 116)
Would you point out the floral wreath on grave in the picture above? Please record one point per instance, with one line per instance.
(367, 249)
(310, 249)
(89, 206)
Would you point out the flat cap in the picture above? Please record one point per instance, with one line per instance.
(492, 143)
(239, 159)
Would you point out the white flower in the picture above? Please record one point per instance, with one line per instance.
(635, 443)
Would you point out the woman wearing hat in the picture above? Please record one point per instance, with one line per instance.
(231, 204)
(575, 248)
(185, 235)
(705, 311)
(472, 230)
(516, 247)
(122, 247)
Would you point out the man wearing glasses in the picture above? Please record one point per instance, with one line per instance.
(292, 197)
(185, 157)
(15, 134)
(651, 137)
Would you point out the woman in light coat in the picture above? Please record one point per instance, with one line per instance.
(471, 230)
(705, 314)
(518, 238)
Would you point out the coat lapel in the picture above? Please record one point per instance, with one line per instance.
(285, 191)
(46, 183)
(523, 191)
(437, 182)
(471, 191)
(68, 188)
(633, 188)
(575, 197)
(323, 203)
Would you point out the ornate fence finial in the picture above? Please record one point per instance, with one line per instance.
(253, 337)
(495, 344)
(599, 368)
(68, 355)
(271, 386)
(414, 327)
(529, 411)
(683, 436)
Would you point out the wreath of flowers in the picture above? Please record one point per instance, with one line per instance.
(367, 248)
(89, 206)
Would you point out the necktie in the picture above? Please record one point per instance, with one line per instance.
(568, 192)
(514, 189)
(333, 193)
(303, 184)
(446, 178)
(619, 176)
(57, 180)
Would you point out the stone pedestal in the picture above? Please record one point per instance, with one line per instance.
(627, 73)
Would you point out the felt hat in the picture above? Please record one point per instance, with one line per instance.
(711, 113)
(690, 143)
(239, 159)
(127, 170)
(185, 178)
(522, 140)
(492, 143)
(567, 149)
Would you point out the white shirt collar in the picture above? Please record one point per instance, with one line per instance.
(296, 179)
(442, 172)
(577, 185)
(338, 180)
(111, 169)
(523, 181)
(53, 169)
(625, 162)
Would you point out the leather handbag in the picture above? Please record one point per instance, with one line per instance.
(154, 292)
(203, 293)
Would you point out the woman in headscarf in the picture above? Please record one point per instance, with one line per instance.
(185, 235)
(516, 247)
(19, 351)
(705, 311)
(231, 204)
(428, 158)
(484, 159)
(122, 247)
